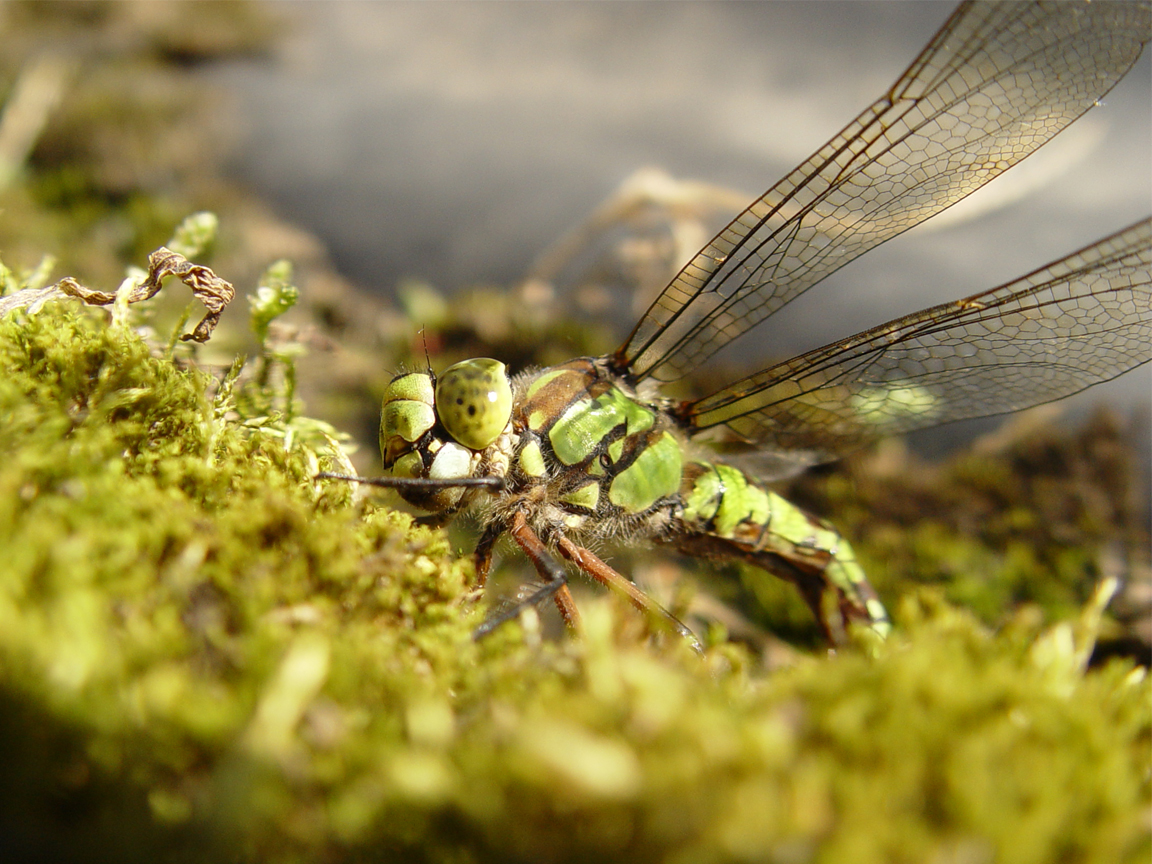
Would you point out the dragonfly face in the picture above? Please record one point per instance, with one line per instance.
(436, 429)
(589, 449)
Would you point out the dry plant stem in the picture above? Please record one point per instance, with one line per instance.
(215, 293)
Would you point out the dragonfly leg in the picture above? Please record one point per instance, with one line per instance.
(552, 571)
(482, 557)
(611, 578)
(433, 520)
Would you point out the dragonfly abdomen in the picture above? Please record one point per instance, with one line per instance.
(727, 514)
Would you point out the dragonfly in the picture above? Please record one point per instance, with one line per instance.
(565, 457)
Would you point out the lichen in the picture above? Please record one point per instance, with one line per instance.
(205, 654)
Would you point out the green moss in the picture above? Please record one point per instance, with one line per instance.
(206, 655)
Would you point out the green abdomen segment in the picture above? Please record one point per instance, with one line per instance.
(727, 514)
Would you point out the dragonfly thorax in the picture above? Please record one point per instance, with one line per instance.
(437, 428)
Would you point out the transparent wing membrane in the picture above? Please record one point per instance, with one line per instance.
(1079, 321)
(997, 82)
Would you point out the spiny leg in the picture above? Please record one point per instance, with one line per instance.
(609, 577)
(552, 571)
(482, 557)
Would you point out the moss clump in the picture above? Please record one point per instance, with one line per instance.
(206, 655)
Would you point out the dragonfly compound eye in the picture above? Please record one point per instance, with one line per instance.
(474, 401)
(405, 415)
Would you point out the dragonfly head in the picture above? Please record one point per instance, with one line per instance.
(436, 428)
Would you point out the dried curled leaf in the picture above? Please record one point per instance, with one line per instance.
(215, 293)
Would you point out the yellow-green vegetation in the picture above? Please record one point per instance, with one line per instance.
(207, 655)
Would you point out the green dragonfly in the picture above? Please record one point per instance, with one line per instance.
(589, 450)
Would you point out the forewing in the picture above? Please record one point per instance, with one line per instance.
(1079, 321)
(997, 81)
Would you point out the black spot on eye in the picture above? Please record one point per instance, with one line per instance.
(471, 410)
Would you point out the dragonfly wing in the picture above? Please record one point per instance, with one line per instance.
(997, 81)
(1079, 321)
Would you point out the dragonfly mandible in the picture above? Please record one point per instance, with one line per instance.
(589, 450)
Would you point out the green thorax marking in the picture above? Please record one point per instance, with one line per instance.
(593, 426)
(531, 459)
(588, 424)
(653, 474)
(581, 412)
(586, 497)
